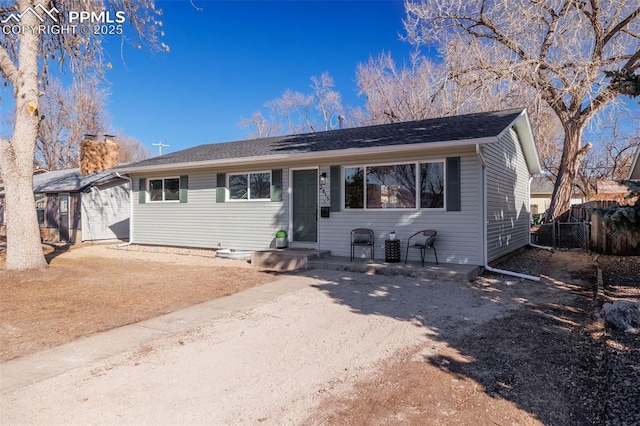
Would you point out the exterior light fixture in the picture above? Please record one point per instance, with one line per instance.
(323, 178)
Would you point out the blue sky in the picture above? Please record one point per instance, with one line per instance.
(228, 58)
(231, 57)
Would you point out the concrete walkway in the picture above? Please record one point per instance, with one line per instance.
(24, 371)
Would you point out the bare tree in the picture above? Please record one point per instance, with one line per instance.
(327, 101)
(25, 56)
(610, 158)
(131, 149)
(422, 89)
(297, 112)
(559, 48)
(409, 92)
(264, 128)
(66, 116)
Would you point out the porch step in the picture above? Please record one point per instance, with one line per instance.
(432, 271)
(286, 259)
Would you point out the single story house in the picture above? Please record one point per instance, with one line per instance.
(541, 192)
(73, 207)
(467, 177)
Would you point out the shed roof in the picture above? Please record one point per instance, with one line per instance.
(541, 185)
(69, 180)
(449, 131)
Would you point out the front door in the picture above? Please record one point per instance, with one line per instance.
(305, 205)
(64, 216)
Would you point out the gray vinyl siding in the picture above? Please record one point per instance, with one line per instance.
(459, 237)
(202, 222)
(507, 196)
(105, 212)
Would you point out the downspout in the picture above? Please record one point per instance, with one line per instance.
(130, 209)
(530, 243)
(484, 226)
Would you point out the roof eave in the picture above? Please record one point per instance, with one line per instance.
(522, 125)
(325, 155)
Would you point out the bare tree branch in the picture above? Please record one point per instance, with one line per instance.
(562, 54)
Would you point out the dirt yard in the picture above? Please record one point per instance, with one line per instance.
(557, 361)
(541, 357)
(542, 364)
(90, 289)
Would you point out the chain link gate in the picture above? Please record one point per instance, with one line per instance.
(563, 235)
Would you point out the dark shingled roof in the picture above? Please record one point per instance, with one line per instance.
(541, 185)
(68, 180)
(461, 127)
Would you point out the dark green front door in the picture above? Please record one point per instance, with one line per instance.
(305, 205)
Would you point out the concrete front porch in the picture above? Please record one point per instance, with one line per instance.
(299, 259)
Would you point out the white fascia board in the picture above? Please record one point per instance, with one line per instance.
(522, 126)
(320, 156)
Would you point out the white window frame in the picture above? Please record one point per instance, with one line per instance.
(417, 186)
(149, 200)
(249, 198)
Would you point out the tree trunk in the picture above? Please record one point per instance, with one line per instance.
(572, 155)
(24, 250)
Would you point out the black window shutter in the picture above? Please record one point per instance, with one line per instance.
(184, 188)
(142, 190)
(276, 185)
(453, 184)
(334, 191)
(221, 181)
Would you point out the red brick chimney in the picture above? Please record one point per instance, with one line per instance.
(96, 156)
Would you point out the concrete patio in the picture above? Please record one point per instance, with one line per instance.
(300, 259)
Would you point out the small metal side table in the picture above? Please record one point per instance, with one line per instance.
(392, 250)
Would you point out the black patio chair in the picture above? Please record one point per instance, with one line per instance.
(362, 237)
(422, 240)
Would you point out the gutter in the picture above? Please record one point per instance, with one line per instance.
(484, 227)
(130, 209)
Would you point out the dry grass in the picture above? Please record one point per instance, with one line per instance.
(81, 295)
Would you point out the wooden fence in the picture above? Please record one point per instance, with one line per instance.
(605, 242)
(597, 235)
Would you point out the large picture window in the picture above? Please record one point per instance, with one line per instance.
(250, 186)
(391, 187)
(395, 186)
(165, 189)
